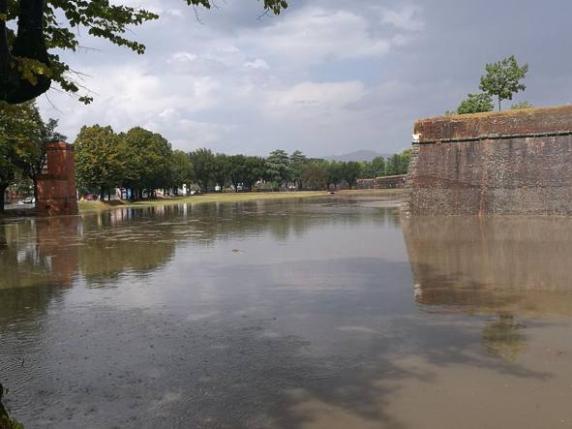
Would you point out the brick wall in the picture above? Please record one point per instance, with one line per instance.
(517, 162)
(385, 182)
(56, 186)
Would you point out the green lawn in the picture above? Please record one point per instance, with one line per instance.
(95, 206)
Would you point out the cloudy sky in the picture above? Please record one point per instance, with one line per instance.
(326, 77)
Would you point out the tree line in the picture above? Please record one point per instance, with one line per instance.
(142, 162)
(23, 138)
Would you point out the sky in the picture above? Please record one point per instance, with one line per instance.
(325, 77)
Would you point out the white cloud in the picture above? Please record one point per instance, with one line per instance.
(407, 18)
(315, 35)
(258, 64)
(252, 89)
(314, 97)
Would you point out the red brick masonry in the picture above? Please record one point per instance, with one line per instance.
(56, 187)
(516, 162)
(384, 182)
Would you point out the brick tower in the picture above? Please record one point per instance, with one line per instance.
(56, 185)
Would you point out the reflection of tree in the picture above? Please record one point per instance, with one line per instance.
(503, 337)
(5, 421)
(281, 219)
(20, 263)
(102, 246)
(104, 258)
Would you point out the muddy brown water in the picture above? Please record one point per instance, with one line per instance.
(322, 313)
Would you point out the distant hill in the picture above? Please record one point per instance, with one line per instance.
(358, 155)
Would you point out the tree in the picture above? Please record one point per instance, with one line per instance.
(30, 154)
(221, 170)
(30, 59)
(335, 172)
(254, 170)
(351, 171)
(203, 161)
(375, 168)
(99, 160)
(236, 165)
(398, 163)
(297, 163)
(315, 175)
(23, 138)
(147, 158)
(181, 169)
(278, 167)
(7, 172)
(503, 79)
(476, 103)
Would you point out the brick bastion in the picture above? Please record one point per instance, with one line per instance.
(56, 185)
(516, 162)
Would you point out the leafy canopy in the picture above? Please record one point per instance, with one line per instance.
(36, 57)
(503, 79)
(476, 103)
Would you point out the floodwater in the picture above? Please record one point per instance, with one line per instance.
(325, 313)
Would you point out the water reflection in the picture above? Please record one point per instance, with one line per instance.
(494, 265)
(102, 246)
(506, 269)
(281, 315)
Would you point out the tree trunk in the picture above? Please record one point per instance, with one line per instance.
(35, 186)
(2, 191)
(500, 104)
(5, 58)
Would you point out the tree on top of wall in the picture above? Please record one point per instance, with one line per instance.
(503, 79)
(476, 103)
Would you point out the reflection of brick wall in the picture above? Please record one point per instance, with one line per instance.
(56, 239)
(516, 162)
(493, 263)
(56, 185)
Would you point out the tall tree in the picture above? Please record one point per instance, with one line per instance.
(278, 167)
(203, 161)
(23, 138)
(7, 173)
(30, 154)
(297, 162)
(100, 163)
(30, 59)
(351, 171)
(374, 168)
(335, 172)
(503, 79)
(182, 169)
(476, 103)
(315, 175)
(220, 171)
(254, 170)
(147, 157)
(398, 163)
(236, 165)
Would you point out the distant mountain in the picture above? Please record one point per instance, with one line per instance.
(358, 155)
